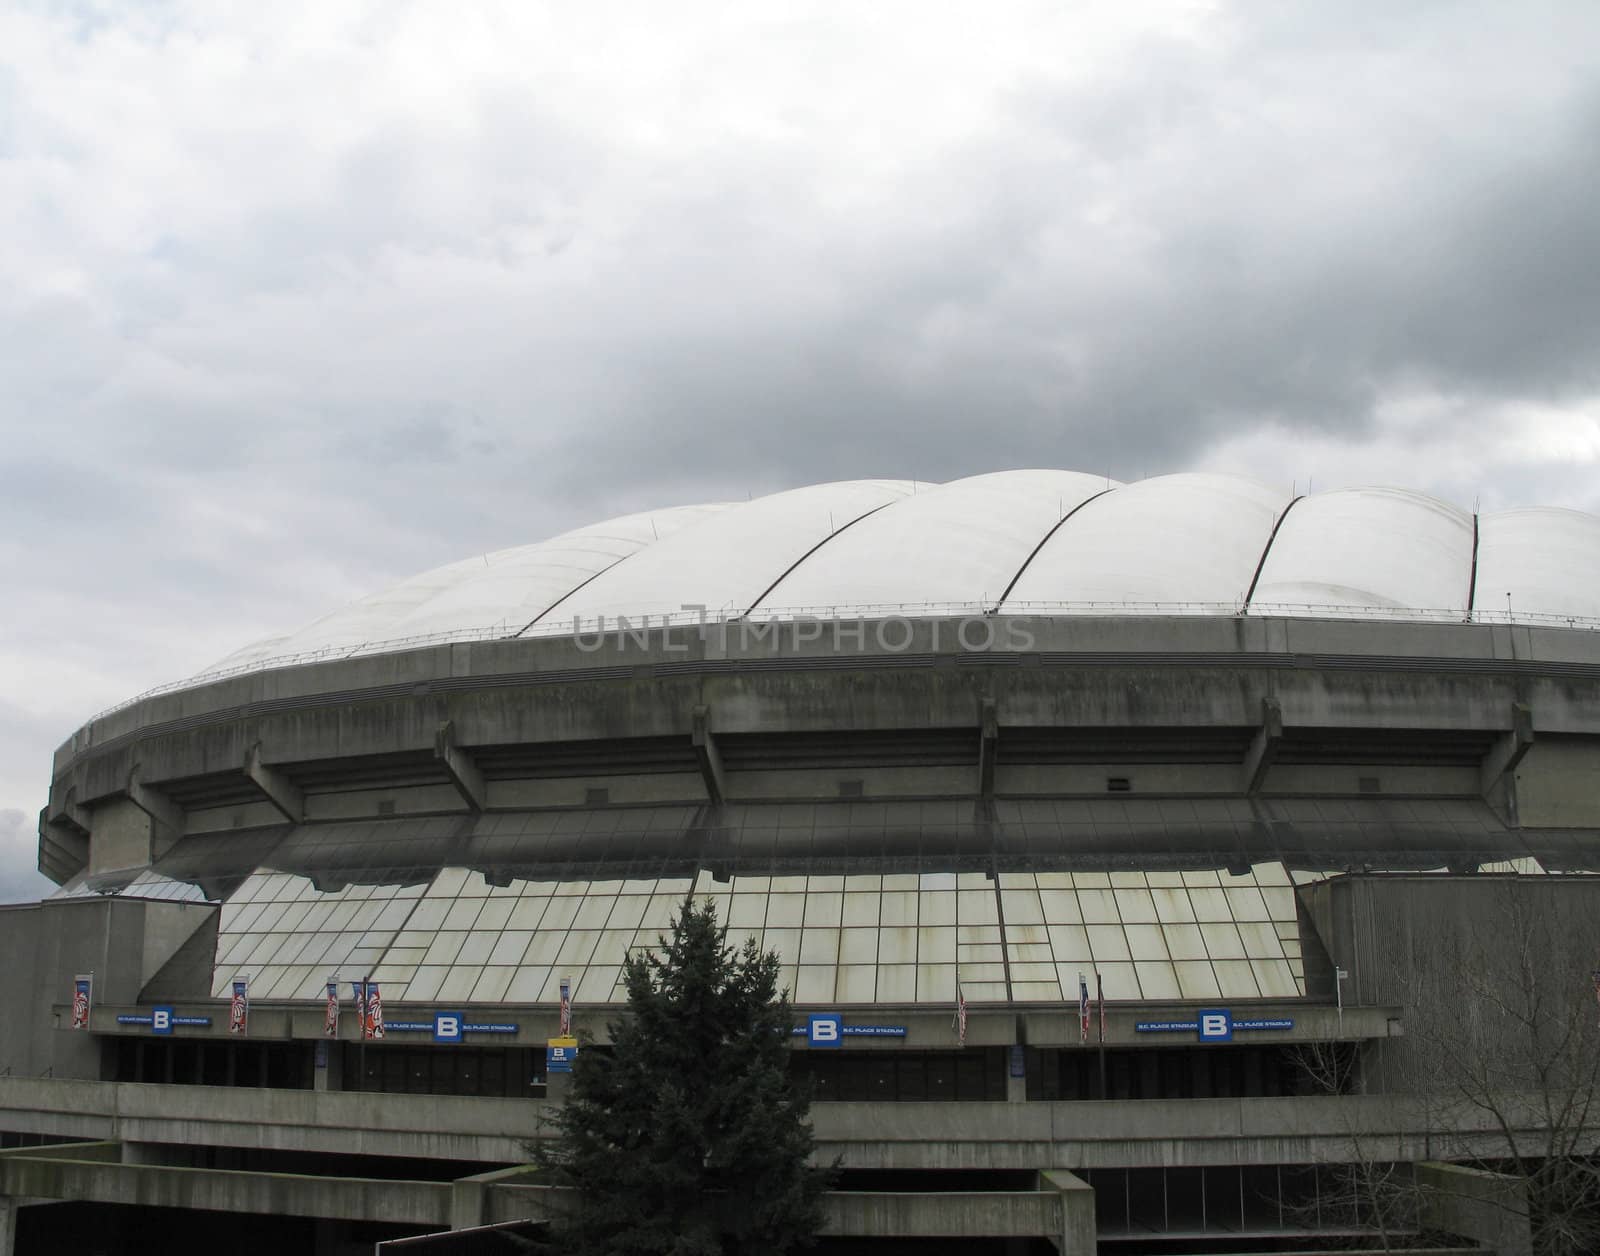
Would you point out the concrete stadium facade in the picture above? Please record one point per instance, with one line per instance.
(1238, 759)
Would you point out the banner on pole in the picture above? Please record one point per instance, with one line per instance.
(239, 1006)
(330, 1019)
(82, 995)
(374, 1027)
(566, 1007)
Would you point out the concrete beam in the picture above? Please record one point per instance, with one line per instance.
(280, 791)
(65, 809)
(988, 744)
(1263, 746)
(707, 755)
(154, 803)
(1509, 750)
(1491, 1209)
(464, 773)
(1080, 1235)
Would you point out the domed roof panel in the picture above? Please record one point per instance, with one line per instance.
(509, 586)
(1547, 560)
(725, 563)
(1172, 541)
(1372, 548)
(960, 543)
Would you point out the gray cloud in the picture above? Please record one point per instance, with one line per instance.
(296, 305)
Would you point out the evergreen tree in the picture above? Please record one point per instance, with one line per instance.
(688, 1136)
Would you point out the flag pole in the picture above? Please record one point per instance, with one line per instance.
(1100, 998)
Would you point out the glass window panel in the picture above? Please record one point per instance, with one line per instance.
(393, 914)
(936, 983)
(476, 949)
(786, 979)
(560, 914)
(1236, 978)
(1022, 907)
(819, 946)
(1060, 907)
(1029, 953)
(1145, 941)
(612, 947)
(786, 942)
(899, 907)
(1280, 903)
(494, 915)
(605, 889)
(976, 907)
(366, 915)
(935, 881)
(748, 911)
(594, 911)
(1107, 942)
(1206, 878)
(1196, 979)
(1035, 992)
(1247, 903)
(527, 985)
(1172, 905)
(425, 984)
(1136, 906)
(316, 916)
(428, 915)
(858, 883)
(1120, 981)
(491, 987)
(975, 881)
(525, 913)
(284, 917)
(980, 954)
(1127, 881)
(826, 884)
(857, 983)
(628, 912)
(597, 983)
(897, 983)
(980, 972)
(1025, 935)
(860, 909)
(390, 976)
(1158, 981)
(788, 885)
(1260, 940)
(1164, 880)
(1185, 942)
(1099, 907)
(815, 984)
(937, 907)
(784, 911)
(458, 982)
(823, 910)
(1275, 979)
(858, 946)
(1036, 972)
(569, 889)
(577, 948)
(978, 935)
(897, 946)
(1091, 880)
(544, 948)
(405, 954)
(936, 945)
(1222, 941)
(342, 917)
(508, 948)
(237, 921)
(1070, 944)
(414, 937)
(1015, 881)
(445, 948)
(741, 885)
(985, 991)
(1271, 874)
(894, 881)
(1209, 904)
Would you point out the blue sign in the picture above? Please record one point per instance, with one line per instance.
(824, 1029)
(1212, 1024)
(559, 1053)
(447, 1026)
(463, 1026)
(1019, 1062)
(162, 1020)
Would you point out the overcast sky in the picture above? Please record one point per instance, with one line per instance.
(297, 300)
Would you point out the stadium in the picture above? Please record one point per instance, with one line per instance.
(1214, 808)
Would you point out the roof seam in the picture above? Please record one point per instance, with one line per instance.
(787, 571)
(1266, 549)
(1034, 553)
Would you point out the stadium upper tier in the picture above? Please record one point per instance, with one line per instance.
(1028, 542)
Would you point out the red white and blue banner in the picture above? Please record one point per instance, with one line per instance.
(330, 1019)
(239, 1007)
(374, 1020)
(1100, 998)
(359, 989)
(82, 995)
(1083, 1009)
(566, 1007)
(961, 1016)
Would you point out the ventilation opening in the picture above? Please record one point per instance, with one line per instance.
(1119, 784)
(386, 806)
(1368, 785)
(596, 794)
(849, 789)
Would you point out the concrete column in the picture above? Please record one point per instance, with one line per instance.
(331, 1075)
(8, 1226)
(1488, 1208)
(1080, 1236)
